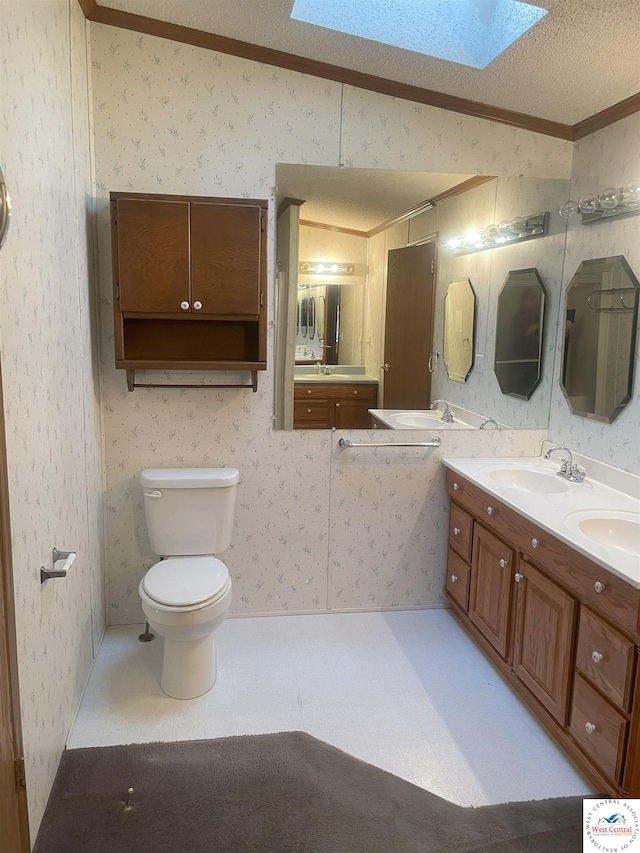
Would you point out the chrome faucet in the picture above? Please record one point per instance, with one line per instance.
(568, 470)
(489, 421)
(446, 415)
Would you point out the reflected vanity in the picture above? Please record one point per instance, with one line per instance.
(599, 351)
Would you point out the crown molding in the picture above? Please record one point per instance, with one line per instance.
(353, 231)
(357, 79)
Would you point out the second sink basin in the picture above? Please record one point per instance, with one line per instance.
(614, 529)
(528, 480)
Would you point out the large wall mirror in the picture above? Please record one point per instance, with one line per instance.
(519, 330)
(599, 352)
(378, 325)
(459, 329)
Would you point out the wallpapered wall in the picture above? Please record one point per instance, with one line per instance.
(608, 157)
(49, 370)
(314, 528)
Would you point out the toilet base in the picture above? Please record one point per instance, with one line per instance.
(188, 668)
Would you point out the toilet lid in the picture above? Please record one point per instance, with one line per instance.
(183, 581)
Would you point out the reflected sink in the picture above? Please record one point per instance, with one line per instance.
(614, 529)
(528, 480)
(418, 419)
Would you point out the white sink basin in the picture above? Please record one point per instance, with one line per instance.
(614, 529)
(528, 480)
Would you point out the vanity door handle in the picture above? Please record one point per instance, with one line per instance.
(337, 405)
(355, 392)
(456, 531)
(197, 305)
(184, 305)
(456, 486)
(589, 728)
(489, 510)
(454, 578)
(503, 563)
(518, 577)
(596, 657)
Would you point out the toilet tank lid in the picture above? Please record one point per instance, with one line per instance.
(189, 478)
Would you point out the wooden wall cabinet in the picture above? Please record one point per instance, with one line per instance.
(189, 279)
(323, 405)
(562, 630)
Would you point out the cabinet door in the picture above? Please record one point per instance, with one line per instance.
(226, 248)
(349, 414)
(545, 625)
(153, 255)
(491, 575)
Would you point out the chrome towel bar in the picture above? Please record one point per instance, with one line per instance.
(436, 441)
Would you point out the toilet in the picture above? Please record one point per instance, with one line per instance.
(186, 595)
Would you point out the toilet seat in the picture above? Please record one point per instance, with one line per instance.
(186, 582)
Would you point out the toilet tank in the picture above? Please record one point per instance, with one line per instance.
(189, 510)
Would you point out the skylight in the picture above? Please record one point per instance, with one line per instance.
(470, 32)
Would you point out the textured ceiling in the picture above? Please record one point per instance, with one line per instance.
(358, 198)
(581, 58)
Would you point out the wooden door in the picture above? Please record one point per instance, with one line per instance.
(490, 598)
(545, 625)
(152, 240)
(408, 337)
(226, 258)
(14, 832)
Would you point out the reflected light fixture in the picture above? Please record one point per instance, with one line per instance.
(515, 230)
(324, 268)
(612, 201)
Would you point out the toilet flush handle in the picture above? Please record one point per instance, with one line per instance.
(156, 493)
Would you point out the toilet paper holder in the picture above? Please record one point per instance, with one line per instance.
(61, 572)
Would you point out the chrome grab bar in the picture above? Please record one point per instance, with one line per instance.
(436, 441)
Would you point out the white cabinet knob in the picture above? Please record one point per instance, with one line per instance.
(599, 587)
(503, 563)
(518, 577)
(456, 531)
(355, 392)
(454, 578)
(308, 410)
(534, 543)
(596, 657)
(489, 510)
(456, 486)
(197, 305)
(589, 728)
(184, 305)
(309, 391)
(337, 405)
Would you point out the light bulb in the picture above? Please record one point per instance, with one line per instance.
(631, 192)
(454, 243)
(610, 198)
(504, 228)
(569, 208)
(491, 232)
(518, 225)
(588, 204)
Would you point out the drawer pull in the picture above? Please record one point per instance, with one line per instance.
(456, 531)
(456, 486)
(308, 410)
(598, 586)
(489, 510)
(454, 578)
(503, 563)
(337, 405)
(589, 728)
(355, 392)
(184, 305)
(197, 305)
(518, 577)
(596, 657)
(309, 391)
(534, 543)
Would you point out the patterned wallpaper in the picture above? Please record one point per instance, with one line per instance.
(50, 368)
(608, 157)
(176, 119)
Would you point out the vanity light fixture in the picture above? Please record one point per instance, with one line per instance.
(611, 202)
(324, 268)
(516, 230)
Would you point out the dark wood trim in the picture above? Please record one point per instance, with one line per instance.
(88, 7)
(242, 202)
(606, 117)
(464, 187)
(289, 202)
(8, 640)
(324, 70)
(339, 228)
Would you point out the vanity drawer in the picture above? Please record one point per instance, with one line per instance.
(460, 532)
(606, 658)
(457, 585)
(363, 393)
(318, 391)
(598, 728)
(313, 414)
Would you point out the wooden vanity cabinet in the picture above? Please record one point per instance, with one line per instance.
(189, 279)
(561, 629)
(323, 405)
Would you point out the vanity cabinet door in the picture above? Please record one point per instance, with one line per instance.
(545, 626)
(491, 583)
(349, 414)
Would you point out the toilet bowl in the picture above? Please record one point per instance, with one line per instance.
(187, 595)
(184, 600)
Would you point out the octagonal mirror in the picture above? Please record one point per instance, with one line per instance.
(519, 327)
(459, 329)
(601, 319)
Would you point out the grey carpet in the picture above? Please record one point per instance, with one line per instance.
(280, 793)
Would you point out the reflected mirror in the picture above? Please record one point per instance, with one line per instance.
(459, 329)
(601, 317)
(519, 328)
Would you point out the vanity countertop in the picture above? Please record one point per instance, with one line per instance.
(340, 373)
(531, 487)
